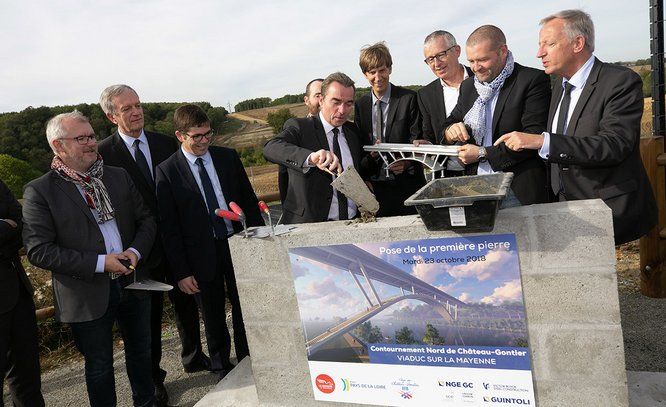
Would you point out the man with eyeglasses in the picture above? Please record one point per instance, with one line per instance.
(139, 151)
(86, 223)
(388, 114)
(503, 96)
(438, 98)
(191, 185)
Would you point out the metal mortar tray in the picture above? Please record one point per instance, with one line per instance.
(464, 204)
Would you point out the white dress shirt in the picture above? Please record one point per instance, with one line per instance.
(578, 81)
(451, 93)
(143, 146)
(345, 161)
(212, 174)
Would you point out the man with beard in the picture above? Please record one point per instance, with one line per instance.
(87, 224)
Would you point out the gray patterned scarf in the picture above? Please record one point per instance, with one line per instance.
(476, 116)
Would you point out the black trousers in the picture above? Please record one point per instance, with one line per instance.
(187, 322)
(19, 352)
(211, 301)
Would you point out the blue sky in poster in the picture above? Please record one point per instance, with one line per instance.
(485, 271)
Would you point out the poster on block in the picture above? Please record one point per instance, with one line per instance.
(415, 322)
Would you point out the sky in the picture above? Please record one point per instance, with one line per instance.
(324, 291)
(65, 52)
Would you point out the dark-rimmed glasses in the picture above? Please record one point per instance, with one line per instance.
(440, 57)
(198, 137)
(83, 140)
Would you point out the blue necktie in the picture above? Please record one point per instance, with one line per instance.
(219, 227)
(142, 163)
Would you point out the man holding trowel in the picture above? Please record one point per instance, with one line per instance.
(325, 141)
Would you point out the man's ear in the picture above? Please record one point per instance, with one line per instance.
(110, 117)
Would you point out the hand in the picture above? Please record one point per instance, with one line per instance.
(469, 153)
(11, 222)
(421, 142)
(325, 160)
(375, 154)
(131, 256)
(456, 132)
(113, 265)
(518, 141)
(188, 285)
(399, 167)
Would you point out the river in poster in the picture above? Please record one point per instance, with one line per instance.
(415, 322)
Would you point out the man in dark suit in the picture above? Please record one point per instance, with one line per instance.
(438, 98)
(139, 152)
(592, 142)
(82, 221)
(502, 96)
(329, 143)
(312, 100)
(388, 114)
(19, 351)
(191, 185)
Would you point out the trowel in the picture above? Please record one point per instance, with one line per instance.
(350, 183)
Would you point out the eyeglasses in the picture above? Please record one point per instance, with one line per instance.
(198, 137)
(440, 57)
(83, 140)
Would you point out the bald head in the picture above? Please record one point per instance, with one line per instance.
(487, 33)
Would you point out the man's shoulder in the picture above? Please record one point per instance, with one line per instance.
(523, 71)
(608, 71)
(108, 141)
(42, 181)
(431, 87)
(402, 92)
(219, 151)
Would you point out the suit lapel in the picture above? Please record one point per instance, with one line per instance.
(122, 152)
(438, 100)
(503, 96)
(222, 175)
(589, 88)
(320, 134)
(353, 143)
(70, 189)
(554, 102)
(185, 171)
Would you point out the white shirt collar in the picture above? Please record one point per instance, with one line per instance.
(191, 158)
(386, 97)
(465, 76)
(580, 77)
(327, 126)
(129, 140)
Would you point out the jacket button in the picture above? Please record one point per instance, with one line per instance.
(562, 155)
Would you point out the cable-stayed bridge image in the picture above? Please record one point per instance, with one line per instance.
(351, 295)
(364, 267)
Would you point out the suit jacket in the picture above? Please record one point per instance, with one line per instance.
(433, 109)
(402, 126)
(309, 192)
(61, 235)
(599, 156)
(12, 274)
(187, 230)
(114, 151)
(522, 105)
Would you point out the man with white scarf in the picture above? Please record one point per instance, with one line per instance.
(501, 97)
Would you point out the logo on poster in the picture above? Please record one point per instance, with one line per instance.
(347, 385)
(463, 385)
(325, 383)
(507, 400)
(405, 387)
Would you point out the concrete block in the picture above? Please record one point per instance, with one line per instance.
(585, 298)
(288, 349)
(585, 353)
(574, 235)
(580, 393)
(283, 385)
(267, 300)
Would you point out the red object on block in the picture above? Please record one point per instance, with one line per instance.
(227, 215)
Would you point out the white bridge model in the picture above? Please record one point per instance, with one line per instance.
(430, 155)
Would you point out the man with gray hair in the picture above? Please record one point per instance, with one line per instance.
(438, 98)
(312, 148)
(591, 143)
(139, 152)
(87, 224)
(502, 96)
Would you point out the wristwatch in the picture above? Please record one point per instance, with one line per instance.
(482, 155)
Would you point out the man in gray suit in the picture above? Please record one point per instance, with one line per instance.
(86, 223)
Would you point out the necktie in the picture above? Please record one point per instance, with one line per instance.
(142, 163)
(219, 227)
(555, 179)
(379, 121)
(343, 211)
